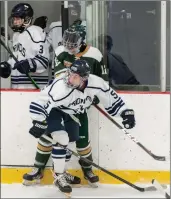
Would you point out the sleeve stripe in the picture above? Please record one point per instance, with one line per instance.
(42, 61)
(116, 108)
(38, 105)
(111, 107)
(38, 109)
(45, 58)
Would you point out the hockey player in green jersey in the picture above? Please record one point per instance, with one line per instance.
(73, 48)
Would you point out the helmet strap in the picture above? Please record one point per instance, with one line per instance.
(83, 84)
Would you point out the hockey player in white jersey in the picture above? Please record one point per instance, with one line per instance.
(30, 47)
(73, 40)
(72, 93)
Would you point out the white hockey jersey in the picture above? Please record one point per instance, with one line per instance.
(72, 101)
(32, 43)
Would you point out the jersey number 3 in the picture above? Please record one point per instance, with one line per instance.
(41, 49)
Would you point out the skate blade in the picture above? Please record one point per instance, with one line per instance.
(93, 185)
(67, 195)
(75, 185)
(31, 183)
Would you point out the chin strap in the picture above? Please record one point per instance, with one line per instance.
(83, 85)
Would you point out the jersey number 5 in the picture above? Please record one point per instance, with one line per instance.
(41, 49)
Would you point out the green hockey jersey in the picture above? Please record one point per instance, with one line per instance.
(90, 54)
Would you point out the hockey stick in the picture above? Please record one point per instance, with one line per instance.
(16, 60)
(141, 189)
(160, 188)
(156, 157)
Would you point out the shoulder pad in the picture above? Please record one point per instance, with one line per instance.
(59, 90)
(94, 53)
(36, 33)
(15, 36)
(55, 24)
(95, 81)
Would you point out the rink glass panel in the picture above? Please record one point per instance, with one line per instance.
(135, 29)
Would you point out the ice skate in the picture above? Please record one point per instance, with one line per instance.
(91, 177)
(33, 177)
(62, 184)
(74, 181)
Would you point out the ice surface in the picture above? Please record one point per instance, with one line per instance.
(50, 191)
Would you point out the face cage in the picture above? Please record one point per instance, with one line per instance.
(66, 79)
(71, 40)
(16, 28)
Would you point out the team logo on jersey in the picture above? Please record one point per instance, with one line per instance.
(20, 48)
(56, 61)
(80, 101)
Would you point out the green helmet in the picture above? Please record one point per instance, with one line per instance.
(74, 36)
(78, 28)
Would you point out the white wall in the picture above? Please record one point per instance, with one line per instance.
(111, 148)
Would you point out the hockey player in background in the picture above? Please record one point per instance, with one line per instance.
(74, 48)
(30, 47)
(77, 89)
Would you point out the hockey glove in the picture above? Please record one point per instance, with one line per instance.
(5, 69)
(3, 32)
(38, 128)
(96, 100)
(128, 118)
(41, 22)
(25, 66)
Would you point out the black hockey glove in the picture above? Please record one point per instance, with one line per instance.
(96, 100)
(38, 128)
(3, 32)
(25, 66)
(5, 69)
(41, 22)
(128, 118)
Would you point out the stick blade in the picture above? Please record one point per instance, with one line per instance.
(160, 188)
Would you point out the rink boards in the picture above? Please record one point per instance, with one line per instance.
(111, 148)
